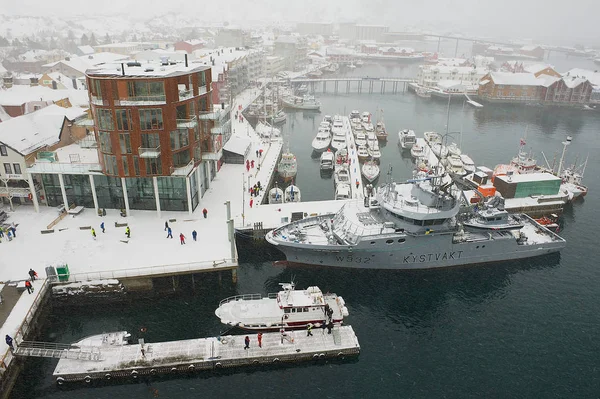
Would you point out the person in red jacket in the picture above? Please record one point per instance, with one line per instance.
(181, 239)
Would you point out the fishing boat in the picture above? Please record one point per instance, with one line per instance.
(289, 309)
(370, 171)
(354, 114)
(454, 165)
(305, 102)
(414, 225)
(423, 93)
(321, 142)
(287, 166)
(407, 138)
(302, 89)
(440, 150)
(343, 191)
(417, 151)
(380, 131)
(291, 194)
(275, 195)
(327, 161)
(362, 152)
(365, 117)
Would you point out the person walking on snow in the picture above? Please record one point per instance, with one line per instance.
(102, 226)
(309, 330)
(169, 233)
(247, 166)
(252, 164)
(128, 232)
(204, 212)
(166, 225)
(194, 235)
(9, 341)
(29, 286)
(251, 202)
(181, 239)
(32, 274)
(247, 342)
(259, 336)
(14, 231)
(93, 233)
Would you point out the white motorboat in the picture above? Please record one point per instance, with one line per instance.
(279, 117)
(328, 119)
(341, 157)
(337, 127)
(453, 149)
(423, 93)
(371, 140)
(432, 137)
(370, 171)
(321, 142)
(468, 163)
(368, 127)
(287, 166)
(302, 89)
(306, 103)
(354, 114)
(327, 160)
(361, 139)
(440, 150)
(266, 131)
(407, 138)
(342, 191)
(289, 309)
(291, 194)
(338, 142)
(362, 152)
(365, 117)
(417, 151)
(374, 153)
(341, 175)
(454, 165)
(275, 195)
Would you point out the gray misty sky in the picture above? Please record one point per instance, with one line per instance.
(575, 19)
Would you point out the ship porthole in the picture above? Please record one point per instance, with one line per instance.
(321, 355)
(173, 369)
(60, 381)
(153, 372)
(276, 360)
(218, 365)
(107, 376)
(340, 354)
(191, 367)
(316, 356)
(255, 362)
(134, 374)
(87, 379)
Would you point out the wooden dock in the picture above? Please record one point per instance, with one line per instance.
(355, 173)
(186, 356)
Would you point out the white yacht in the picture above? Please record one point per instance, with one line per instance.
(372, 140)
(440, 150)
(321, 142)
(289, 309)
(453, 149)
(374, 152)
(407, 138)
(454, 165)
(432, 137)
(365, 117)
(362, 152)
(327, 160)
(287, 166)
(360, 139)
(306, 103)
(417, 151)
(354, 114)
(341, 176)
(291, 194)
(468, 163)
(341, 158)
(370, 171)
(338, 142)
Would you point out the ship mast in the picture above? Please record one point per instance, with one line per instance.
(562, 157)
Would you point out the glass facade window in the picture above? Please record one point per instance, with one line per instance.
(194, 190)
(140, 192)
(123, 117)
(96, 88)
(203, 105)
(153, 166)
(179, 139)
(109, 192)
(145, 88)
(136, 165)
(150, 140)
(125, 166)
(181, 111)
(110, 164)
(105, 143)
(125, 142)
(172, 193)
(77, 188)
(151, 119)
(105, 119)
(181, 158)
(202, 78)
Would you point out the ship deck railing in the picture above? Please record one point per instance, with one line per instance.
(247, 297)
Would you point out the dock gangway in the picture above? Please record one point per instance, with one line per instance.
(58, 351)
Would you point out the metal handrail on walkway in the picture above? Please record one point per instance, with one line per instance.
(247, 297)
(58, 351)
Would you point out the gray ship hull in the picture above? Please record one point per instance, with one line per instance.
(421, 252)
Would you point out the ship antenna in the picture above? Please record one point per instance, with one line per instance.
(389, 174)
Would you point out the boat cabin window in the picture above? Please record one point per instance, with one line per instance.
(401, 240)
(286, 310)
(389, 241)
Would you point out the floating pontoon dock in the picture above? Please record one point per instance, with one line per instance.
(177, 357)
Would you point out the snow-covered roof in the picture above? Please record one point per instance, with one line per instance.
(592, 76)
(442, 69)
(448, 84)
(194, 42)
(237, 145)
(147, 69)
(547, 80)
(340, 51)
(572, 81)
(287, 39)
(86, 49)
(517, 79)
(30, 132)
(535, 68)
(86, 62)
(85, 155)
(66, 81)
(528, 177)
(530, 48)
(21, 94)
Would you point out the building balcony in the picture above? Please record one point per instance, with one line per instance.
(215, 113)
(146, 152)
(64, 167)
(212, 156)
(142, 100)
(185, 94)
(97, 101)
(182, 170)
(187, 123)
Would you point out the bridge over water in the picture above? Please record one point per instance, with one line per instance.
(355, 84)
